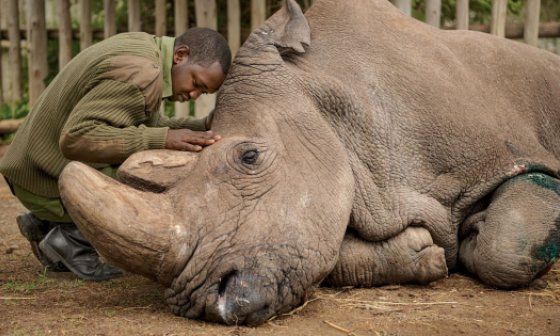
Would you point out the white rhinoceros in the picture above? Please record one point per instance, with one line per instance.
(361, 147)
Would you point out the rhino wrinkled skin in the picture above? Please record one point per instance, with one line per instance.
(360, 148)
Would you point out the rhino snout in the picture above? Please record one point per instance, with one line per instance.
(242, 297)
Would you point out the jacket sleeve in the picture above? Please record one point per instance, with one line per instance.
(161, 120)
(106, 125)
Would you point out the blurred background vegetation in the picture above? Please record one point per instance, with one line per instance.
(480, 13)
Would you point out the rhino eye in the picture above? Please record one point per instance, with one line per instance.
(250, 157)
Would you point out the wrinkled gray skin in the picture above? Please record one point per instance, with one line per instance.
(361, 147)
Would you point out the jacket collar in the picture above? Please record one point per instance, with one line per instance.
(166, 45)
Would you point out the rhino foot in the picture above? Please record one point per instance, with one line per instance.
(408, 257)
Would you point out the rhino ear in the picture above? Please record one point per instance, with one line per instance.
(290, 31)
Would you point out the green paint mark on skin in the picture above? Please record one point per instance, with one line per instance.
(548, 253)
(545, 181)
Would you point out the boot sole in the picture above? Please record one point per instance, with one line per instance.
(34, 237)
(54, 256)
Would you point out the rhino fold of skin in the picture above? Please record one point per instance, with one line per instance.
(357, 142)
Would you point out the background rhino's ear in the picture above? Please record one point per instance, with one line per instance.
(290, 30)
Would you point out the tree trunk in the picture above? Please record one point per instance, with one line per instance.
(161, 17)
(462, 14)
(404, 5)
(37, 39)
(181, 26)
(532, 16)
(64, 33)
(15, 49)
(433, 12)
(110, 27)
(258, 13)
(234, 27)
(499, 16)
(205, 17)
(85, 24)
(134, 23)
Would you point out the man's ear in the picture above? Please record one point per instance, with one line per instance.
(290, 31)
(181, 53)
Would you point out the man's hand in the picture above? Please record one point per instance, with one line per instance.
(187, 140)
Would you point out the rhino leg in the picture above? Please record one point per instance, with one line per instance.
(411, 256)
(517, 237)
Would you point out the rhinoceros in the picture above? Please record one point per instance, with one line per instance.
(360, 148)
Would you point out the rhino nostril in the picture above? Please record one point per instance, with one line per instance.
(241, 297)
(224, 281)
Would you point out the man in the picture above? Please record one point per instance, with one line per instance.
(101, 108)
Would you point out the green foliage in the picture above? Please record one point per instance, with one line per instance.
(15, 110)
(12, 111)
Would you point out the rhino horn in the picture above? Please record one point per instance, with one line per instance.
(130, 228)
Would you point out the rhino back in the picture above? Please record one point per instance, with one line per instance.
(437, 119)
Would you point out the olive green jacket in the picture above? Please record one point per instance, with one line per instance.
(101, 108)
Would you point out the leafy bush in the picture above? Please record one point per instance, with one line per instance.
(15, 110)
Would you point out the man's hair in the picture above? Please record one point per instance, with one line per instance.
(206, 46)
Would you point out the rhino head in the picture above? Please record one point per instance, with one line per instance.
(241, 231)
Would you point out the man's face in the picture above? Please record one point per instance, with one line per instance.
(190, 80)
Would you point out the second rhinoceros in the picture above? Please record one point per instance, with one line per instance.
(361, 148)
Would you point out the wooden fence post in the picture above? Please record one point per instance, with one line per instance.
(37, 40)
(64, 33)
(234, 28)
(181, 25)
(2, 8)
(181, 9)
(462, 14)
(404, 5)
(110, 27)
(205, 17)
(433, 12)
(532, 16)
(161, 17)
(134, 23)
(258, 13)
(499, 16)
(15, 49)
(85, 24)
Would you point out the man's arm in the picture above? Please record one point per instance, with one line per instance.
(106, 125)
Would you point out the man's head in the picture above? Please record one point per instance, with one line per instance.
(201, 60)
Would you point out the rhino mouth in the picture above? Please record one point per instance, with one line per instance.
(244, 291)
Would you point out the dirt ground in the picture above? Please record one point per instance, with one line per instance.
(33, 302)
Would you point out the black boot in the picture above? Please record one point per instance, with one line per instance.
(35, 230)
(66, 244)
